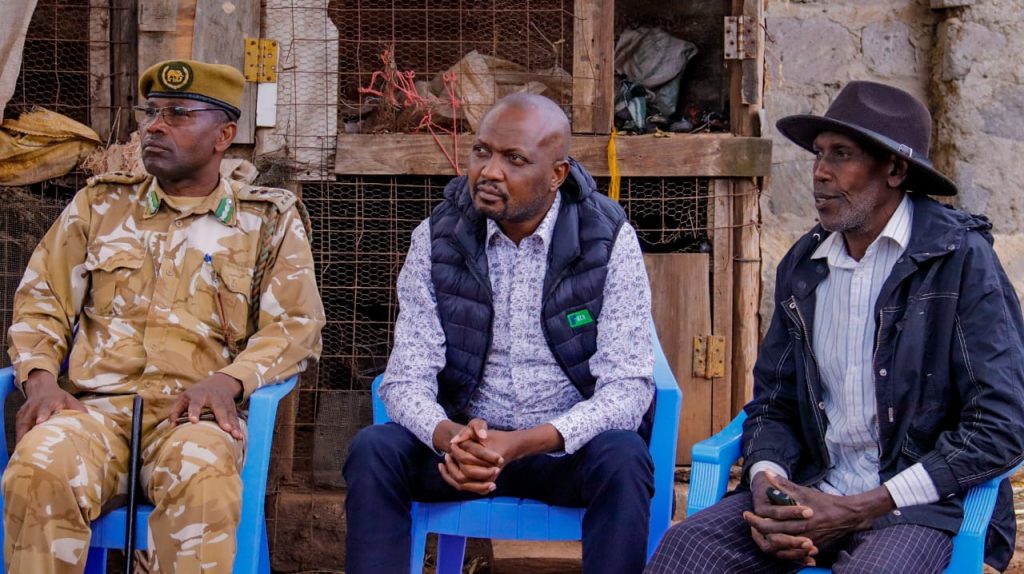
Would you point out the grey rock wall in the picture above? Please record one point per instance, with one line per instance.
(966, 63)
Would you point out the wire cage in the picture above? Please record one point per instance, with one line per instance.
(66, 62)
(397, 52)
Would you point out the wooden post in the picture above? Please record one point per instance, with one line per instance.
(124, 66)
(593, 88)
(99, 68)
(747, 320)
(721, 232)
(746, 88)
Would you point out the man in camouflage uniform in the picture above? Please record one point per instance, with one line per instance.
(158, 272)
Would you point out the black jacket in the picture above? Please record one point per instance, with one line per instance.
(948, 365)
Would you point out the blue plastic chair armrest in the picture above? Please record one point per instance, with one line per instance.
(262, 414)
(6, 387)
(380, 412)
(664, 438)
(709, 471)
(969, 542)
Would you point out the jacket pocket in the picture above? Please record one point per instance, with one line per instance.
(117, 285)
(232, 289)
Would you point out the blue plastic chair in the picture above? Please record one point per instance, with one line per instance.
(709, 477)
(252, 555)
(507, 518)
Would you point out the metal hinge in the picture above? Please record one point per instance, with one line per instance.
(709, 356)
(260, 60)
(740, 38)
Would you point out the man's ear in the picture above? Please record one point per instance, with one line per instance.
(225, 135)
(559, 173)
(897, 172)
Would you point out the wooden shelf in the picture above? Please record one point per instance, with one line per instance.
(677, 155)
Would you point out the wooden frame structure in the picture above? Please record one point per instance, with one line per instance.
(737, 162)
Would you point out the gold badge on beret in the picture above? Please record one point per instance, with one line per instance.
(176, 76)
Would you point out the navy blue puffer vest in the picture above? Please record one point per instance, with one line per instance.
(584, 235)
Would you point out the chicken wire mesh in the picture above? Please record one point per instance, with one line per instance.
(65, 62)
(494, 47)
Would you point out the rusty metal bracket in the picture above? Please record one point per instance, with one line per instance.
(260, 60)
(740, 38)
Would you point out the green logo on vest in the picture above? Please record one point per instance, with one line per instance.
(579, 319)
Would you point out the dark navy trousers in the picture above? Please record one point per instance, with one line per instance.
(388, 468)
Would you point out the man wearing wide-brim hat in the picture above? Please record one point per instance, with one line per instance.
(891, 379)
(189, 290)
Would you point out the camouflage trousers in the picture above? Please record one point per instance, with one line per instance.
(70, 469)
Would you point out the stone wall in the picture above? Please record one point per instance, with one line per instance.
(964, 61)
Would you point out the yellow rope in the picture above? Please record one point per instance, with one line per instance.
(613, 168)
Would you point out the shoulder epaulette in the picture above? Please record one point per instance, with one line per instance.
(282, 198)
(118, 178)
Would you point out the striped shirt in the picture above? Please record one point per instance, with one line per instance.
(843, 339)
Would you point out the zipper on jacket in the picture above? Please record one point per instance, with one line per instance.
(814, 361)
(874, 372)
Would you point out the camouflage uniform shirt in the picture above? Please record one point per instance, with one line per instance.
(161, 286)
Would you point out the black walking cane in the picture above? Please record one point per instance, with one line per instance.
(133, 485)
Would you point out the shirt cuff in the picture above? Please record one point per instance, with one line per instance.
(911, 487)
(23, 368)
(247, 376)
(763, 465)
(571, 442)
(426, 432)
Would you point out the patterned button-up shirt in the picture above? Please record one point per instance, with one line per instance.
(523, 386)
(159, 285)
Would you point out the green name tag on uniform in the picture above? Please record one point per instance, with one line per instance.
(580, 318)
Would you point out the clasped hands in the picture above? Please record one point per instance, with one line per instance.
(474, 455)
(818, 519)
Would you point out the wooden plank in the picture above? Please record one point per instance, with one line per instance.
(681, 305)
(185, 28)
(722, 297)
(156, 24)
(593, 88)
(154, 47)
(747, 319)
(124, 66)
(219, 38)
(675, 156)
(158, 15)
(100, 115)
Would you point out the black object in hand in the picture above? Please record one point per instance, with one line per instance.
(779, 498)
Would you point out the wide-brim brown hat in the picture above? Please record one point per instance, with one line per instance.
(883, 117)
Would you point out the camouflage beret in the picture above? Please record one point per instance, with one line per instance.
(215, 84)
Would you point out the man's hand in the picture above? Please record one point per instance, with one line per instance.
(830, 517)
(475, 455)
(461, 470)
(218, 393)
(787, 546)
(45, 398)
